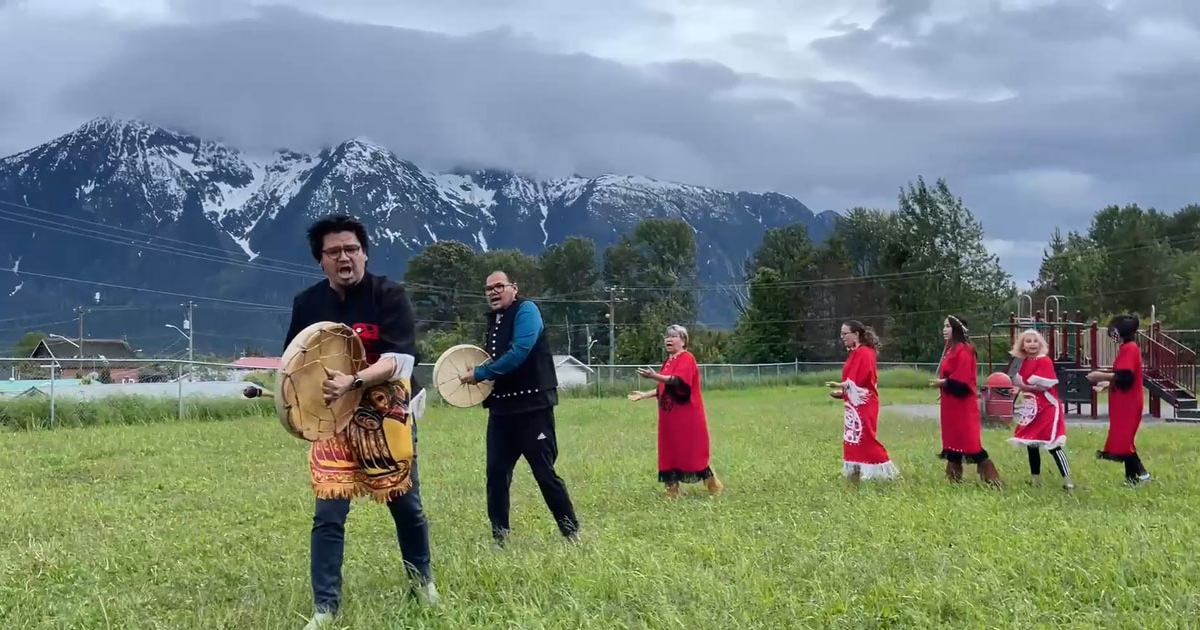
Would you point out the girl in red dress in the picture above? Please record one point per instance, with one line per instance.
(682, 428)
(1124, 399)
(863, 457)
(1041, 421)
(961, 431)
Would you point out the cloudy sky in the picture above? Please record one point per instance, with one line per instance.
(1037, 112)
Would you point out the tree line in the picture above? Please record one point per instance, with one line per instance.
(900, 271)
(1129, 260)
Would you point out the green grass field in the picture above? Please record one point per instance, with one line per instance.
(205, 525)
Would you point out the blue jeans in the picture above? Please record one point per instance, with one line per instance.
(328, 541)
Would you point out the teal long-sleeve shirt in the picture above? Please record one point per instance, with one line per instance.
(527, 326)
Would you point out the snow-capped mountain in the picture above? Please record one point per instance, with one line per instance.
(127, 203)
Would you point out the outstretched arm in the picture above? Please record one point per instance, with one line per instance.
(526, 328)
(1025, 386)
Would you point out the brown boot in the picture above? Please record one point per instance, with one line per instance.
(954, 471)
(989, 474)
(714, 485)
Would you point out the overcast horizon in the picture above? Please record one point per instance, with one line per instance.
(1036, 112)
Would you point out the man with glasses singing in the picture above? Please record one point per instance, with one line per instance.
(520, 407)
(380, 313)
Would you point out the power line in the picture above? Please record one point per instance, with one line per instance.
(39, 325)
(165, 249)
(35, 316)
(144, 290)
(147, 235)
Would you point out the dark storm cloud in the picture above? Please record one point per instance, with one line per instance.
(1036, 116)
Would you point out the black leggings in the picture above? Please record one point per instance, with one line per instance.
(1060, 460)
(1134, 467)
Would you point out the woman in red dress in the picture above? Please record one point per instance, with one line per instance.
(863, 457)
(1041, 421)
(961, 431)
(682, 428)
(1124, 399)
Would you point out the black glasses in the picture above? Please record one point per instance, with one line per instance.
(496, 288)
(336, 252)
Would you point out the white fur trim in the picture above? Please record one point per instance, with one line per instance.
(1054, 436)
(404, 365)
(1042, 381)
(886, 470)
(856, 395)
(417, 405)
(1046, 444)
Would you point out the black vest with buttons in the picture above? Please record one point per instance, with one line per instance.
(533, 384)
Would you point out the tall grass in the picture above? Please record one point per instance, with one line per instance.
(197, 525)
(34, 413)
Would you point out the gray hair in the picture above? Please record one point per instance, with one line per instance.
(678, 331)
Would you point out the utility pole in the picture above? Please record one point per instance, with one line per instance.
(81, 311)
(612, 322)
(189, 326)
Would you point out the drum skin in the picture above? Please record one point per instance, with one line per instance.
(299, 399)
(453, 364)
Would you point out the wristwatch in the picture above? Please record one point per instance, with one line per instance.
(357, 384)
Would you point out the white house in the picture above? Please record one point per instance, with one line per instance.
(571, 372)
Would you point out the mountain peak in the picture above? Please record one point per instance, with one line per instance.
(119, 129)
(137, 176)
(361, 147)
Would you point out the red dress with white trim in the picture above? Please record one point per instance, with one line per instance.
(861, 450)
(1040, 416)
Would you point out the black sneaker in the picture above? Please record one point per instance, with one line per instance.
(499, 540)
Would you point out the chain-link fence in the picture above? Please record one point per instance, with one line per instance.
(81, 392)
(48, 392)
(613, 380)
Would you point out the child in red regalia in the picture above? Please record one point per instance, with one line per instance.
(959, 402)
(1124, 399)
(862, 454)
(1040, 416)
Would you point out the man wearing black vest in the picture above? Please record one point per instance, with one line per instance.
(520, 407)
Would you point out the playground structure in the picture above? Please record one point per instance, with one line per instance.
(1078, 347)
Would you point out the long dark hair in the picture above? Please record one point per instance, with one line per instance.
(958, 331)
(866, 334)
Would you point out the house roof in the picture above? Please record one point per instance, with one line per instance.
(258, 363)
(566, 359)
(92, 349)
